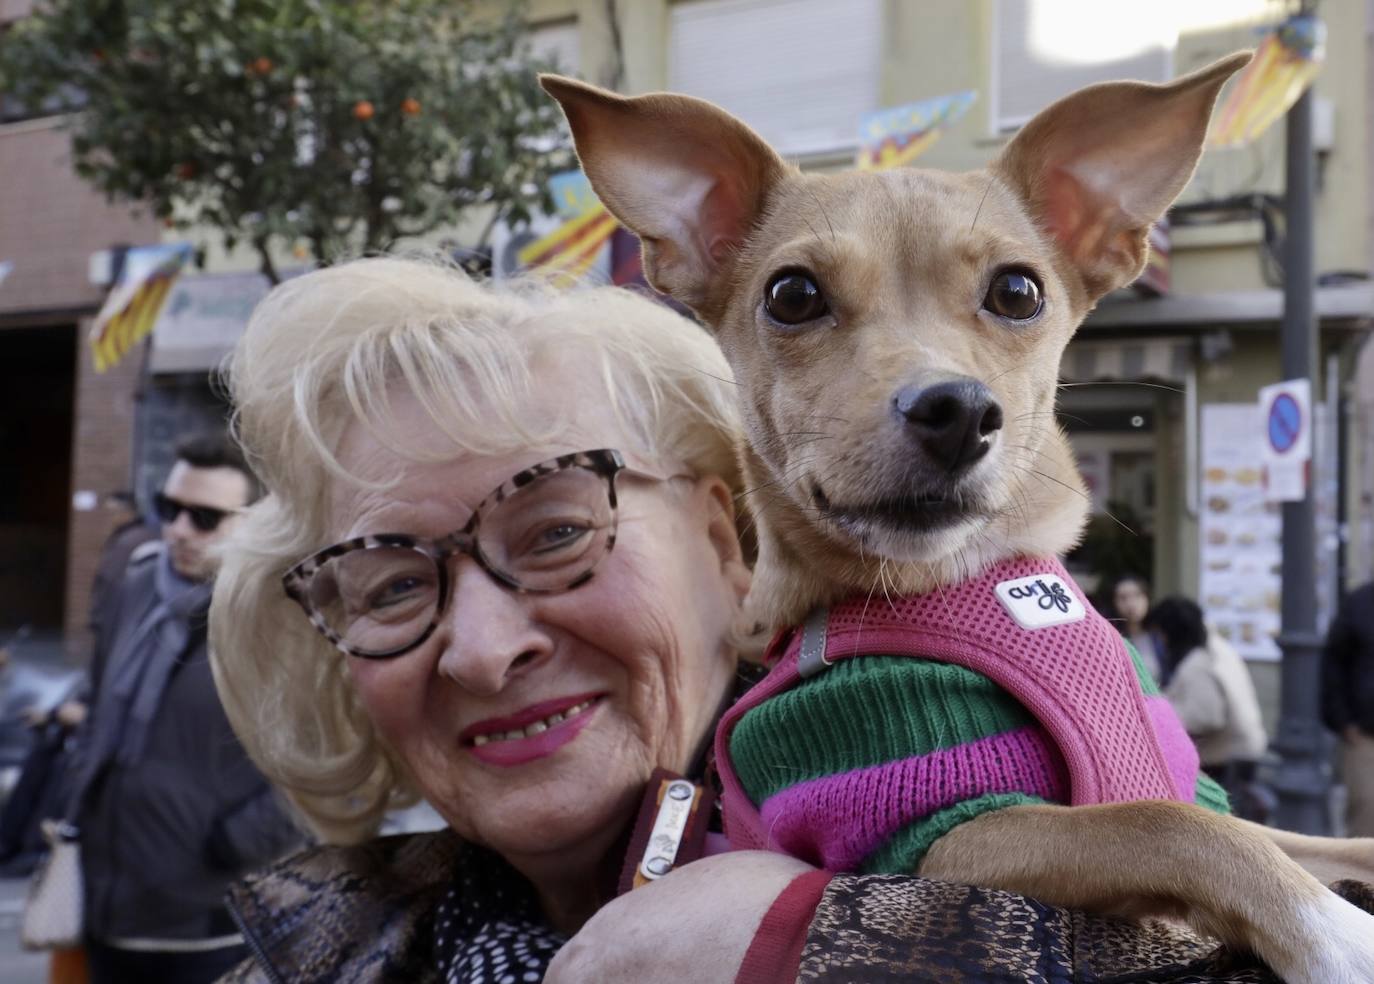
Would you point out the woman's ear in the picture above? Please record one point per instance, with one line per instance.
(718, 505)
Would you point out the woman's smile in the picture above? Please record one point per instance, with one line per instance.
(532, 733)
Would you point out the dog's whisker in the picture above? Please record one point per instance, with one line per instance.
(828, 247)
(1057, 414)
(825, 215)
(719, 379)
(979, 211)
(1081, 494)
(1123, 382)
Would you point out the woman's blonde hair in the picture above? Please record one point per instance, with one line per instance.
(325, 349)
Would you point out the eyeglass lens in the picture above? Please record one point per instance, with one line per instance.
(203, 518)
(544, 537)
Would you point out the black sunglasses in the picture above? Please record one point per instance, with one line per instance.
(203, 518)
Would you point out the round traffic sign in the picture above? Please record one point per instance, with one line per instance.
(1285, 422)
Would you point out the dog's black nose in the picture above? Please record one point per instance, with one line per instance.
(953, 420)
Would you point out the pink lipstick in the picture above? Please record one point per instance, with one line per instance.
(532, 733)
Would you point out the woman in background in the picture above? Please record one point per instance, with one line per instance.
(1209, 686)
(1130, 603)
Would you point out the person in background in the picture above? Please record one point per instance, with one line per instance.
(1348, 702)
(169, 808)
(133, 532)
(1210, 687)
(132, 538)
(1130, 602)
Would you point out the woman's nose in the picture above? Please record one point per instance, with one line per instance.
(486, 632)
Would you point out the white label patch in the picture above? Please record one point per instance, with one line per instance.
(1040, 600)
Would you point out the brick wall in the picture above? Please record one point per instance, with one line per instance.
(51, 222)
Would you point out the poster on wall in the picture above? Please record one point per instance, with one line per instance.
(1240, 535)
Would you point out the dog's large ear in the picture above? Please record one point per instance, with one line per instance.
(1100, 165)
(684, 175)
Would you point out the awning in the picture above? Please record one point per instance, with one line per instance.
(1353, 303)
(1162, 359)
(202, 320)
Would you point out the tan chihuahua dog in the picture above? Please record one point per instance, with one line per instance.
(896, 338)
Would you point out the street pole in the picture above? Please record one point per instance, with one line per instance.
(1303, 778)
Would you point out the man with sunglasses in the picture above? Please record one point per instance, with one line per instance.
(168, 808)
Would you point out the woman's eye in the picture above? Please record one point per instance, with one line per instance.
(396, 592)
(1015, 295)
(793, 298)
(558, 537)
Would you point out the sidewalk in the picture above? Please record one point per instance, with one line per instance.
(17, 965)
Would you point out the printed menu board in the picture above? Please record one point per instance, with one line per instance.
(1240, 535)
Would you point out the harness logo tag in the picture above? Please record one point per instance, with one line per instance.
(1040, 601)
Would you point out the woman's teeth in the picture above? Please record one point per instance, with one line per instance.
(537, 727)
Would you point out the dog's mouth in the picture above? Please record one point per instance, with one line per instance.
(912, 513)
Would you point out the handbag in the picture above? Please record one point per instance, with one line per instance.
(54, 911)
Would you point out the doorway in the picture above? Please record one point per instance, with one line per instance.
(37, 367)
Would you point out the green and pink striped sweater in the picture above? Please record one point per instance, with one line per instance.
(862, 763)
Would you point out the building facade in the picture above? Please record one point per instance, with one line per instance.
(63, 429)
(1155, 388)
(1160, 394)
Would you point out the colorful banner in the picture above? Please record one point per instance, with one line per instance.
(894, 137)
(572, 194)
(131, 309)
(569, 251)
(1285, 64)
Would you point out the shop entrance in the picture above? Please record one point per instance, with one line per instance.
(37, 367)
(1112, 428)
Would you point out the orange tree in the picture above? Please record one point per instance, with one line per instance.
(323, 126)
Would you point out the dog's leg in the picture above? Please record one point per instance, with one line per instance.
(1329, 859)
(1226, 878)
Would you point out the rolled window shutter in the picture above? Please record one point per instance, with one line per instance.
(800, 72)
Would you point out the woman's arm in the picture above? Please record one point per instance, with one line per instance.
(696, 924)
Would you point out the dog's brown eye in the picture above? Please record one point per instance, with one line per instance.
(1014, 294)
(793, 298)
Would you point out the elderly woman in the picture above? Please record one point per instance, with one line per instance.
(499, 569)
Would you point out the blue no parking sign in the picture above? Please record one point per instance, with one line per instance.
(1285, 423)
(1286, 410)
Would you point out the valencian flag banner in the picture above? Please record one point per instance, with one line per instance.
(135, 301)
(1284, 65)
(894, 137)
(569, 251)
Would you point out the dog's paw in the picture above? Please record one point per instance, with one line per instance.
(1337, 947)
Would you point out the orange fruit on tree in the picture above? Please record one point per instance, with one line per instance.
(262, 66)
(363, 110)
(411, 107)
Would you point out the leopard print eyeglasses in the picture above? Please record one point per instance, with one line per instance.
(541, 532)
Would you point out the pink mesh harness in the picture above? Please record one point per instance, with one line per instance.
(1075, 677)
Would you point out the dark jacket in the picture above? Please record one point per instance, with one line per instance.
(1348, 664)
(161, 840)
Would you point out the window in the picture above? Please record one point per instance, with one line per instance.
(560, 43)
(800, 72)
(1045, 49)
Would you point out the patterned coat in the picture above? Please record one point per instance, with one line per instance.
(365, 915)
